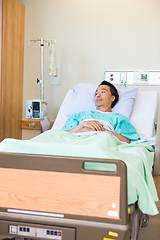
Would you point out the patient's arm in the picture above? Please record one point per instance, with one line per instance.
(119, 136)
(94, 125)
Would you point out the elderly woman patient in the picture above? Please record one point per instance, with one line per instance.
(103, 119)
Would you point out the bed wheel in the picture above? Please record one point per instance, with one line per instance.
(145, 220)
(135, 224)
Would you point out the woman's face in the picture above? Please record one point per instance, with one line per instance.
(103, 96)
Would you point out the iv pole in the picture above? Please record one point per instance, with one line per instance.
(42, 69)
(41, 81)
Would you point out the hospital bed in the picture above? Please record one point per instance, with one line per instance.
(139, 105)
(44, 196)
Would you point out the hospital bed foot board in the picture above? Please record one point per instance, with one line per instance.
(58, 194)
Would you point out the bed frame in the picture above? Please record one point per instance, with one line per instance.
(55, 197)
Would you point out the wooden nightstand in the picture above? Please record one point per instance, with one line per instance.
(33, 125)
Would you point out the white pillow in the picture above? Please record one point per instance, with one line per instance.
(83, 100)
(126, 101)
(144, 114)
(62, 113)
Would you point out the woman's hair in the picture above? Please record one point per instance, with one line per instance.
(113, 90)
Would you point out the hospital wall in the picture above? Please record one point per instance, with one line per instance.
(91, 36)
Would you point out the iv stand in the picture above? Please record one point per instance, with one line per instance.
(41, 81)
(42, 68)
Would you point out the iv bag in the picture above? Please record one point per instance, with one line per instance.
(52, 59)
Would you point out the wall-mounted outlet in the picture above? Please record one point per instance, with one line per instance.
(112, 77)
(140, 77)
(133, 77)
(123, 77)
(144, 77)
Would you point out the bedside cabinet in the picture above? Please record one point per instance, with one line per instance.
(31, 128)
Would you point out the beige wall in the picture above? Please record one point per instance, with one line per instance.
(92, 36)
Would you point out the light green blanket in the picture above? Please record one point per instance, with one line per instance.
(138, 158)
